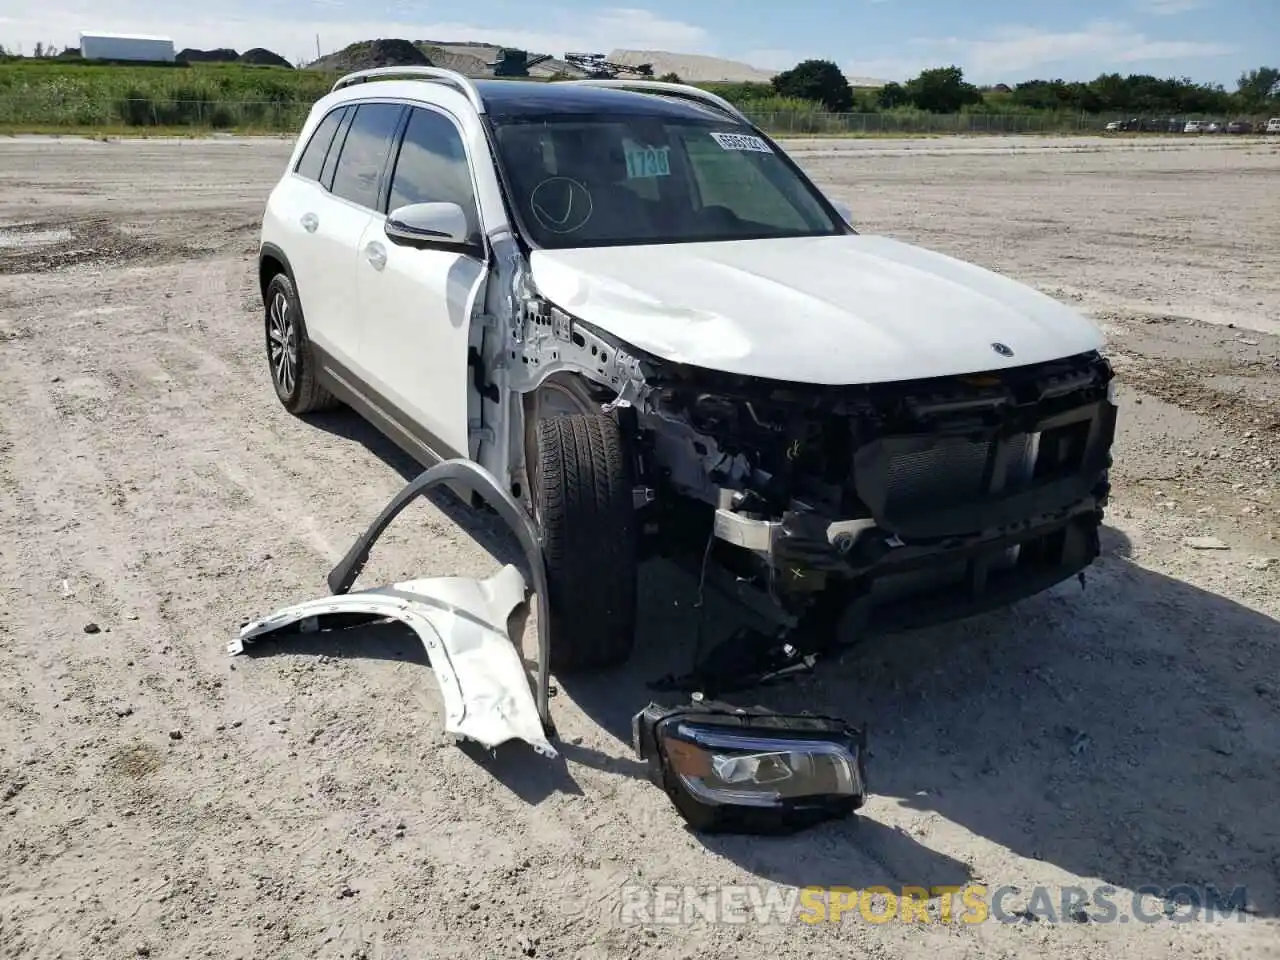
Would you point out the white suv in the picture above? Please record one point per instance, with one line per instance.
(634, 311)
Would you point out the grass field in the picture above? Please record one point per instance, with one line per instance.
(53, 96)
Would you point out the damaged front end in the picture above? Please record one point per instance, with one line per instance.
(881, 507)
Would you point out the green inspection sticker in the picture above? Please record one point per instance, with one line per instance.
(644, 163)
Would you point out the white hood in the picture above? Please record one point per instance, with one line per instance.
(829, 310)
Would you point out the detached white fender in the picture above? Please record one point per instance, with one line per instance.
(462, 623)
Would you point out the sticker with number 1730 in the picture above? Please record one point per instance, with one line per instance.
(646, 162)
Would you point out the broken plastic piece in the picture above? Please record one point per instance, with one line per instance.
(462, 624)
(461, 621)
(471, 476)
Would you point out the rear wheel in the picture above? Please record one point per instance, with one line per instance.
(583, 501)
(293, 369)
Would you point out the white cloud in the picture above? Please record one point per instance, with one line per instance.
(635, 28)
(1168, 8)
(1023, 51)
(550, 30)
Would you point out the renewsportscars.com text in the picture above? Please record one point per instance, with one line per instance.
(969, 904)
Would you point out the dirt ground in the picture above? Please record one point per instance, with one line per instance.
(160, 799)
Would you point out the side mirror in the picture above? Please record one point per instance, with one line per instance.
(430, 225)
(845, 211)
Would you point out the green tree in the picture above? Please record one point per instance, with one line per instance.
(670, 78)
(892, 95)
(818, 80)
(942, 90)
(1257, 87)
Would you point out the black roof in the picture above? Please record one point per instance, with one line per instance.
(517, 98)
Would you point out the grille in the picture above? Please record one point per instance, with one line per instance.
(948, 473)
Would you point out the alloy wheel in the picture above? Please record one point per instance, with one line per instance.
(282, 344)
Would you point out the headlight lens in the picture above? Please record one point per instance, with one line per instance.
(729, 770)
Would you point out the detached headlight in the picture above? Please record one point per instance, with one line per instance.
(731, 770)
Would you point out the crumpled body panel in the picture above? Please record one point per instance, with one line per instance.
(462, 623)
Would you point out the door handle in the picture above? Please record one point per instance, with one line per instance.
(310, 222)
(376, 254)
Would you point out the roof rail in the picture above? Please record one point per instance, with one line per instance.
(680, 90)
(437, 74)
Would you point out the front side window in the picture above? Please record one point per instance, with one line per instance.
(312, 160)
(432, 167)
(364, 153)
(611, 180)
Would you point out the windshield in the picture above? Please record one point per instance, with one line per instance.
(583, 181)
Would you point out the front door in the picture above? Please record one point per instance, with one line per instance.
(416, 304)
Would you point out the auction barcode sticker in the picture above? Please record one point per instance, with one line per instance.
(741, 141)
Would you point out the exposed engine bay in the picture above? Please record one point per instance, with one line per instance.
(825, 507)
(839, 502)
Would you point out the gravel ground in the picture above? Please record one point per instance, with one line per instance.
(158, 799)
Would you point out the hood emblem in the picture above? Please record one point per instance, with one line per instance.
(1002, 349)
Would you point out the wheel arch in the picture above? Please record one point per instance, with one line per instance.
(271, 261)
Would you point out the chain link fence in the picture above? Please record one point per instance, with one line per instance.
(817, 123)
(47, 108)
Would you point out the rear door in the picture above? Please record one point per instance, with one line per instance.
(294, 211)
(416, 304)
(347, 199)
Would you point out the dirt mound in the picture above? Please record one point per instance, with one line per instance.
(220, 55)
(372, 53)
(262, 57)
(474, 59)
(692, 67)
(467, 64)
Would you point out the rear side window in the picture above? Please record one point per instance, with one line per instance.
(432, 166)
(331, 160)
(364, 153)
(312, 160)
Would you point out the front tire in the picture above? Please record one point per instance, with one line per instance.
(289, 356)
(584, 504)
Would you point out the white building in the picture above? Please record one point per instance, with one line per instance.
(126, 46)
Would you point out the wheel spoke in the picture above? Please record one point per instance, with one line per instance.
(282, 344)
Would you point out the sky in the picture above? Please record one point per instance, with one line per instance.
(994, 41)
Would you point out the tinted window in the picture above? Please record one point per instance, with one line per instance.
(364, 153)
(432, 166)
(596, 181)
(331, 160)
(312, 160)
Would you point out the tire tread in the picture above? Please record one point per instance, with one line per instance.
(589, 530)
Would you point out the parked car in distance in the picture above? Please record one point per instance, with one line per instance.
(1114, 126)
(1240, 126)
(1273, 125)
(1195, 126)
